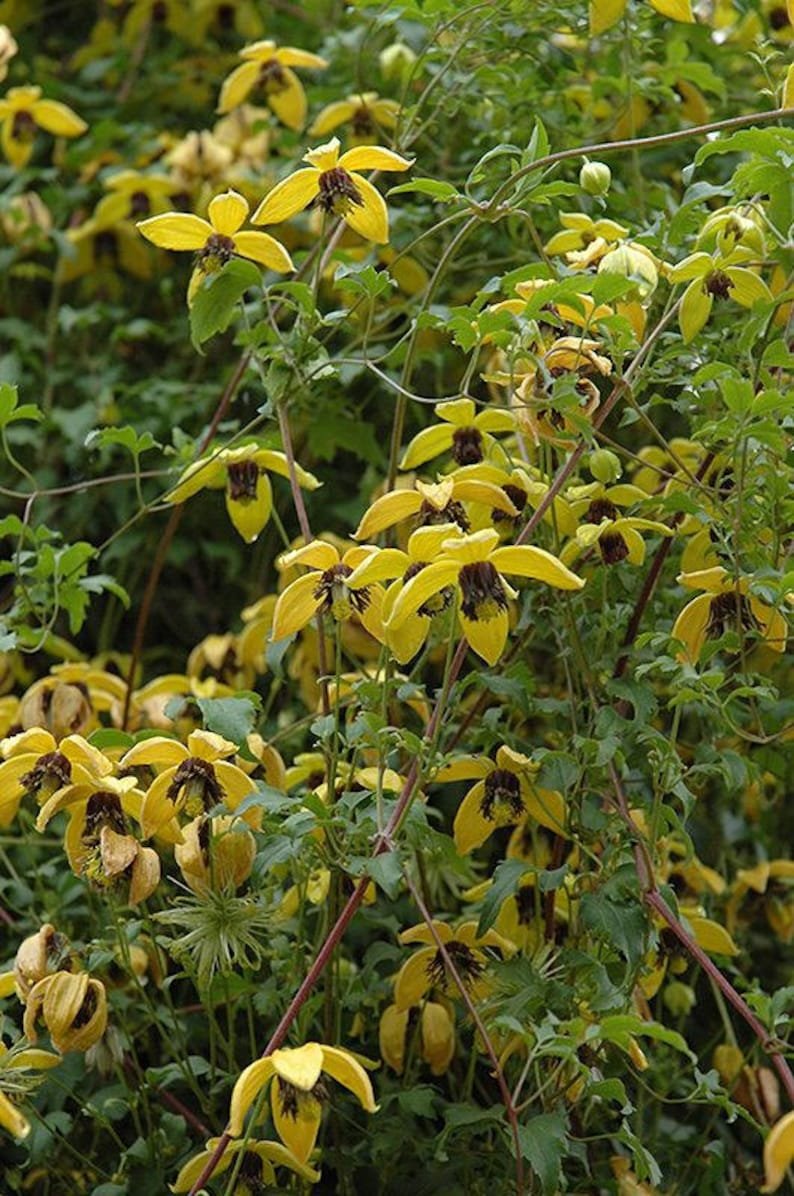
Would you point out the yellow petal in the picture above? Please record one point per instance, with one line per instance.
(227, 212)
(296, 606)
(690, 627)
(486, 637)
(467, 550)
(373, 157)
(787, 99)
(527, 561)
(778, 1152)
(382, 564)
(292, 56)
(58, 119)
(289, 103)
(370, 218)
(249, 1084)
(299, 1066)
(237, 86)
(276, 462)
(413, 980)
(266, 250)
(176, 230)
(249, 515)
(391, 1036)
(386, 511)
(318, 554)
(420, 588)
(406, 640)
(324, 157)
(12, 1119)
(331, 117)
(711, 936)
(747, 288)
(298, 1129)
(603, 15)
(470, 828)
(348, 1071)
(677, 10)
(695, 310)
(156, 750)
(289, 196)
(195, 478)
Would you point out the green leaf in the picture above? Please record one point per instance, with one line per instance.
(543, 1144)
(9, 411)
(622, 926)
(386, 871)
(214, 302)
(506, 879)
(440, 191)
(233, 718)
(127, 437)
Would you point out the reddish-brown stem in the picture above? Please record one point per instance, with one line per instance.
(479, 1025)
(176, 1104)
(383, 843)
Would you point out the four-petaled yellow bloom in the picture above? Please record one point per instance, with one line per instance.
(367, 112)
(268, 66)
(325, 590)
(332, 180)
(725, 605)
(295, 1093)
(22, 111)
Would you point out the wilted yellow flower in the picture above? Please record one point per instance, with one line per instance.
(215, 853)
(73, 1007)
(257, 1170)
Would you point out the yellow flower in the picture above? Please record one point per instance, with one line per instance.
(367, 112)
(708, 934)
(584, 241)
(8, 48)
(505, 794)
(133, 195)
(257, 1170)
(605, 13)
(778, 1152)
(199, 160)
(325, 590)
(102, 250)
(426, 969)
(16, 1082)
(436, 1035)
(39, 955)
(267, 66)
(243, 473)
(217, 240)
(474, 565)
(433, 503)
(195, 779)
(72, 1006)
(463, 431)
(22, 111)
(35, 763)
(332, 180)
(772, 883)
(579, 309)
(296, 1073)
(617, 536)
(216, 853)
(725, 605)
(718, 277)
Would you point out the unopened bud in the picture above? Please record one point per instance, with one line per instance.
(595, 177)
(605, 466)
(679, 998)
(396, 62)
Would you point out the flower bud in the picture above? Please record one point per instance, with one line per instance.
(605, 466)
(728, 1061)
(595, 177)
(39, 955)
(635, 263)
(679, 998)
(396, 62)
(392, 1032)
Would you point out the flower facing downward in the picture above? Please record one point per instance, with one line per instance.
(333, 182)
(22, 112)
(217, 240)
(257, 1171)
(474, 565)
(324, 590)
(464, 432)
(298, 1091)
(426, 969)
(267, 66)
(725, 605)
(72, 1006)
(366, 112)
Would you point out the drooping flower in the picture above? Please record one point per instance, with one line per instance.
(464, 431)
(434, 503)
(73, 1007)
(332, 180)
(257, 1170)
(606, 13)
(243, 472)
(426, 969)
(22, 112)
(716, 277)
(725, 605)
(505, 794)
(436, 1028)
(195, 778)
(324, 590)
(368, 113)
(267, 65)
(298, 1091)
(133, 196)
(584, 241)
(18, 1080)
(39, 955)
(601, 524)
(35, 763)
(474, 565)
(8, 48)
(216, 853)
(769, 884)
(217, 240)
(778, 1152)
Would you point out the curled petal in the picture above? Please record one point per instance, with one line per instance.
(289, 104)
(346, 1070)
(297, 605)
(237, 86)
(422, 587)
(266, 250)
(527, 561)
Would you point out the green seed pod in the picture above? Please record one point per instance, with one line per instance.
(605, 466)
(595, 177)
(396, 61)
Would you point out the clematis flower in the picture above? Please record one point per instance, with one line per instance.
(332, 180)
(778, 1152)
(574, 355)
(36, 763)
(133, 196)
(39, 955)
(426, 970)
(367, 112)
(73, 1007)
(584, 241)
(474, 565)
(464, 431)
(22, 112)
(579, 309)
(298, 1090)
(436, 1044)
(606, 13)
(325, 590)
(199, 161)
(217, 240)
(725, 605)
(195, 778)
(434, 503)
(18, 1080)
(216, 854)
(257, 1170)
(770, 884)
(505, 794)
(718, 277)
(597, 507)
(8, 48)
(102, 251)
(267, 65)
(243, 472)
(713, 938)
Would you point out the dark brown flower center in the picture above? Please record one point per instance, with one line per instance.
(198, 783)
(437, 603)
(103, 809)
(778, 18)
(242, 477)
(337, 599)
(217, 251)
(467, 446)
(290, 1098)
(453, 512)
(86, 1010)
(106, 247)
(50, 772)
(482, 591)
(23, 127)
(251, 1175)
(518, 498)
(272, 77)
(467, 964)
(502, 796)
(600, 509)
(140, 204)
(613, 548)
(362, 122)
(729, 612)
(526, 907)
(718, 284)
(338, 192)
